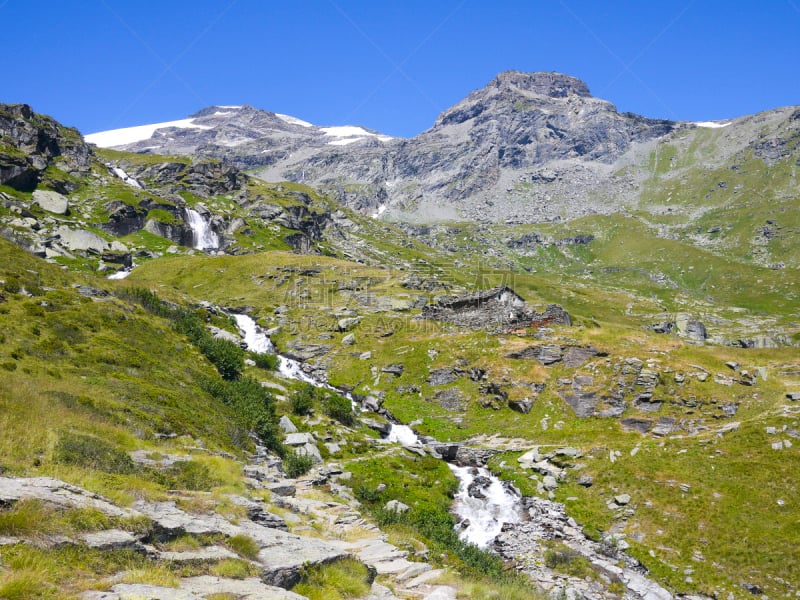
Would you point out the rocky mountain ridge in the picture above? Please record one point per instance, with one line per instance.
(528, 147)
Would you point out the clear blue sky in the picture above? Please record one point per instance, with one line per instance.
(390, 65)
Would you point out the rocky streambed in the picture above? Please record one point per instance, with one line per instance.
(533, 533)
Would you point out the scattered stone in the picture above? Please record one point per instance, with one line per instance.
(523, 406)
(546, 354)
(349, 339)
(299, 439)
(348, 323)
(286, 424)
(640, 425)
(51, 202)
(281, 488)
(365, 355)
(577, 356)
(728, 428)
(585, 480)
(443, 376)
(622, 499)
(549, 483)
(753, 589)
(685, 487)
(664, 426)
(396, 506)
(793, 396)
(734, 366)
(394, 369)
(110, 539)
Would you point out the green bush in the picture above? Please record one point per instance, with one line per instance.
(268, 362)
(339, 408)
(254, 407)
(226, 356)
(296, 464)
(92, 453)
(187, 475)
(302, 402)
(346, 578)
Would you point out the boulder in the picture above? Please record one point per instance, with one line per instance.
(81, 239)
(312, 451)
(396, 506)
(347, 323)
(622, 499)
(298, 439)
(282, 488)
(51, 202)
(285, 423)
(393, 369)
(523, 406)
(690, 328)
(443, 376)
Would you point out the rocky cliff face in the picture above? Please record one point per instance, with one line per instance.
(30, 143)
(521, 128)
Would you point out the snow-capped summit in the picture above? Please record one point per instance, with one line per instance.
(230, 126)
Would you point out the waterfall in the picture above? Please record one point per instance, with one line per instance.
(402, 434)
(483, 503)
(255, 339)
(203, 237)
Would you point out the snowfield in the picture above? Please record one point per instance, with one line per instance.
(129, 135)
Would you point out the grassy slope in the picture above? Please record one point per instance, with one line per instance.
(601, 320)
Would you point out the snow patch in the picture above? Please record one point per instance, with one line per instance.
(130, 135)
(712, 124)
(346, 131)
(125, 177)
(293, 120)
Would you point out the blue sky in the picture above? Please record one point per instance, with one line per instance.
(390, 65)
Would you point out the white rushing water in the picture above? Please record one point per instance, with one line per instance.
(203, 237)
(255, 339)
(120, 274)
(485, 515)
(402, 434)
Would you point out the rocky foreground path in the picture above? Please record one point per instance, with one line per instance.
(323, 530)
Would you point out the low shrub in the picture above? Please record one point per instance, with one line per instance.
(296, 464)
(347, 578)
(339, 408)
(302, 402)
(92, 453)
(244, 546)
(268, 362)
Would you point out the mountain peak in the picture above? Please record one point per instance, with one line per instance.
(553, 85)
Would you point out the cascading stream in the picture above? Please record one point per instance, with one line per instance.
(203, 237)
(483, 502)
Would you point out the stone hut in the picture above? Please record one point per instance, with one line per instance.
(499, 308)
